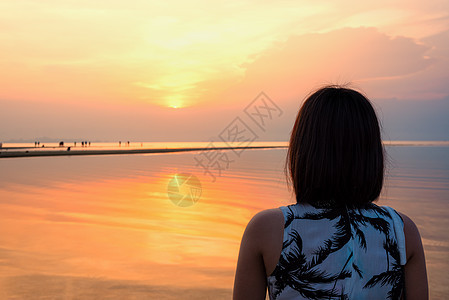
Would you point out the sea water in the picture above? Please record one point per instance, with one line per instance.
(119, 226)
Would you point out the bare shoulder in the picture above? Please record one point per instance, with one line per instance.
(250, 279)
(265, 234)
(266, 220)
(407, 221)
(410, 227)
(263, 227)
(268, 215)
(412, 236)
(416, 284)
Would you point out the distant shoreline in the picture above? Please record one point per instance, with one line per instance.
(23, 151)
(64, 152)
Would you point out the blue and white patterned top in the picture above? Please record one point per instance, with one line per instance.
(340, 253)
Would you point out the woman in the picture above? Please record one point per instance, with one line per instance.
(334, 243)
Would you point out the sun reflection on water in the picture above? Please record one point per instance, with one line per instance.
(92, 223)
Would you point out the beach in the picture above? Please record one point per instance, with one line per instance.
(27, 150)
(52, 149)
(76, 227)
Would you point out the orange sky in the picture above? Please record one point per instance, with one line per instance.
(145, 59)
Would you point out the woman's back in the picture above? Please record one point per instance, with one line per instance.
(334, 243)
(340, 253)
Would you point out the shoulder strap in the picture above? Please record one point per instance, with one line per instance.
(398, 225)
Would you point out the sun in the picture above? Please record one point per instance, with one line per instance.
(176, 102)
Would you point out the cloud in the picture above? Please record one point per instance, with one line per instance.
(365, 56)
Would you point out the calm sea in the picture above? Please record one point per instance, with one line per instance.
(120, 226)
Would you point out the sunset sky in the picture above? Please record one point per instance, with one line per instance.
(183, 70)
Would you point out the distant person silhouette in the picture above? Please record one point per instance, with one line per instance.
(82, 143)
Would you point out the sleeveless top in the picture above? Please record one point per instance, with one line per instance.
(340, 253)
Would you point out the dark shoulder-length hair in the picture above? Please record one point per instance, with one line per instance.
(335, 155)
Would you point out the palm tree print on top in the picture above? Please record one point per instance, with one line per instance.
(338, 253)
